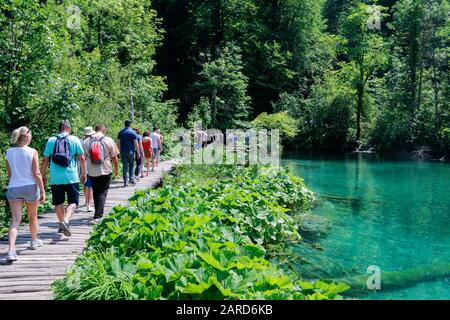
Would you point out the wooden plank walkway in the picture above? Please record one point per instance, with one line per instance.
(30, 277)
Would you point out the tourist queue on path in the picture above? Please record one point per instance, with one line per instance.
(92, 160)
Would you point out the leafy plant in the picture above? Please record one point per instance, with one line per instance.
(209, 240)
(282, 121)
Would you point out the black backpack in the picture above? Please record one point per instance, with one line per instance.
(61, 152)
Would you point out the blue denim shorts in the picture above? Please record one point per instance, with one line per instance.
(28, 193)
(88, 183)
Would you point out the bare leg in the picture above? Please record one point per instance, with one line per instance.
(16, 218)
(90, 196)
(59, 209)
(86, 195)
(32, 209)
(69, 211)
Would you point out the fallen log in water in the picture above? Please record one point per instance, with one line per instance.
(393, 280)
(312, 226)
(349, 200)
(427, 154)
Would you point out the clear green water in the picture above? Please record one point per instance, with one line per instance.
(396, 216)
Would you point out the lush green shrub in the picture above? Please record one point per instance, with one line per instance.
(208, 240)
(4, 208)
(282, 121)
(223, 89)
(391, 130)
(325, 118)
(445, 136)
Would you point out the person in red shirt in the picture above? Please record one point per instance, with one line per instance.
(148, 150)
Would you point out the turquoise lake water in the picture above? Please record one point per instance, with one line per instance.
(394, 214)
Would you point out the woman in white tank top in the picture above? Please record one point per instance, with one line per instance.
(25, 187)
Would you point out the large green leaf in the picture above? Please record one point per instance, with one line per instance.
(209, 259)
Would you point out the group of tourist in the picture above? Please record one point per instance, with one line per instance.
(135, 149)
(92, 160)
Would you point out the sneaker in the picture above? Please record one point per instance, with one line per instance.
(11, 255)
(97, 220)
(89, 208)
(65, 228)
(34, 244)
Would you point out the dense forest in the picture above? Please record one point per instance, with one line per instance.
(349, 72)
(333, 74)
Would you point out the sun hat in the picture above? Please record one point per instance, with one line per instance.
(88, 131)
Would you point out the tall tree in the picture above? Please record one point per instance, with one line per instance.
(224, 85)
(365, 51)
(408, 39)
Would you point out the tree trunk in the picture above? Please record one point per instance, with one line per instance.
(359, 109)
(414, 65)
(100, 35)
(217, 21)
(435, 85)
(392, 280)
(437, 115)
(131, 100)
(214, 109)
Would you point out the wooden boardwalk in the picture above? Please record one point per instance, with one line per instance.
(30, 277)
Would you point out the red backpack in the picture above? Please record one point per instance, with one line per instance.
(97, 151)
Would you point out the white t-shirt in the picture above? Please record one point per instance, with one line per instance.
(20, 161)
(198, 137)
(155, 140)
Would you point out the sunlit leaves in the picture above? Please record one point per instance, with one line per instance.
(198, 241)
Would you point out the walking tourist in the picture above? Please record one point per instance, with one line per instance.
(198, 138)
(157, 146)
(101, 158)
(139, 156)
(25, 188)
(63, 152)
(148, 150)
(161, 137)
(127, 143)
(161, 143)
(87, 188)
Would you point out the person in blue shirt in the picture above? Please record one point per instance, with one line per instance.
(65, 179)
(128, 144)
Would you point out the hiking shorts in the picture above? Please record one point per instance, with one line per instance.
(28, 193)
(88, 183)
(59, 192)
(156, 153)
(147, 154)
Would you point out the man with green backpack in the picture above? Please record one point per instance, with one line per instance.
(63, 152)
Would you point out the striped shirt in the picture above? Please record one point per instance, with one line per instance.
(96, 170)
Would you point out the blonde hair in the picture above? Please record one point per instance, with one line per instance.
(19, 135)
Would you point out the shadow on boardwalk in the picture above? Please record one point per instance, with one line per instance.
(30, 277)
